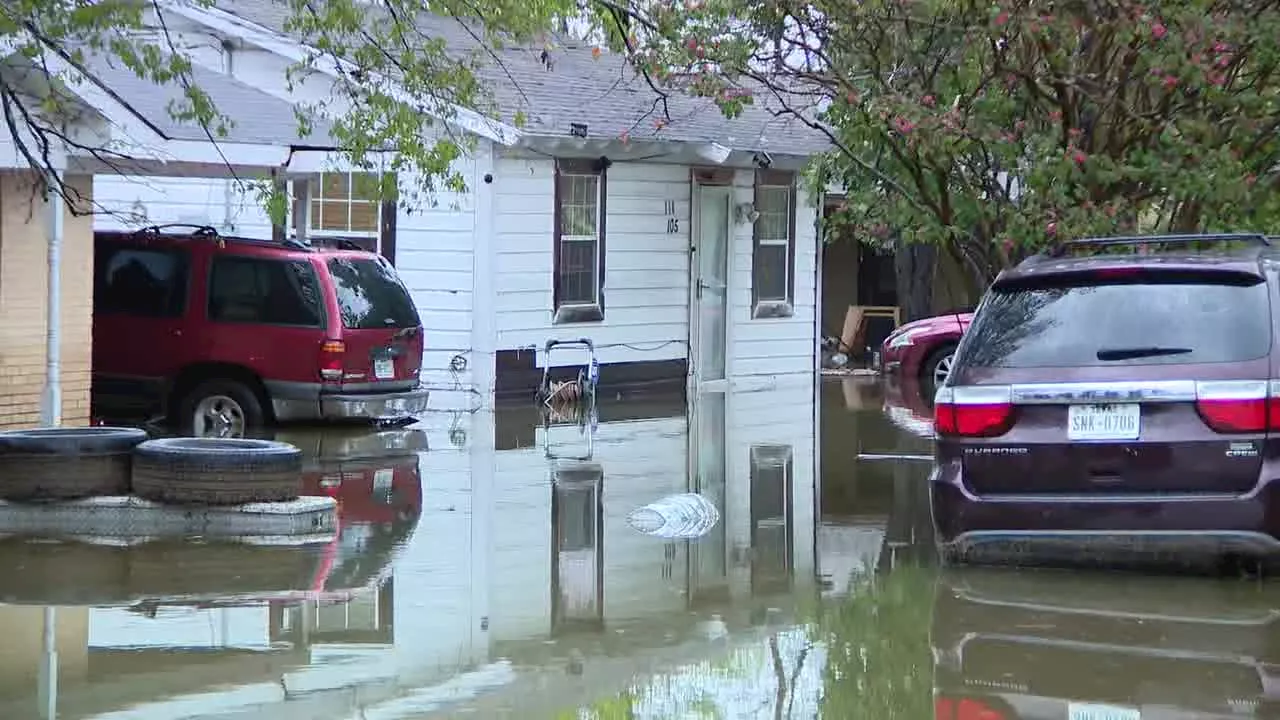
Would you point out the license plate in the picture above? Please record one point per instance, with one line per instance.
(384, 368)
(1097, 711)
(1115, 421)
(382, 480)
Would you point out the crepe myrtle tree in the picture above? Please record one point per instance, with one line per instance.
(990, 129)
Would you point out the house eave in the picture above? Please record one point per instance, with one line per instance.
(231, 25)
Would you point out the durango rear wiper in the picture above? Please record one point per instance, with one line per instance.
(1131, 353)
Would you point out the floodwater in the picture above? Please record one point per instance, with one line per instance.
(751, 556)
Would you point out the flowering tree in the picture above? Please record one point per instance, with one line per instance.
(988, 129)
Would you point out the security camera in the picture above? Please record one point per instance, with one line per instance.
(763, 160)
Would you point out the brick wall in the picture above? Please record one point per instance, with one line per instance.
(23, 283)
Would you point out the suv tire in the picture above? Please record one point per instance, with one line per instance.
(226, 407)
(66, 463)
(216, 471)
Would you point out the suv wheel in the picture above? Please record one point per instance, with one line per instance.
(221, 409)
(937, 367)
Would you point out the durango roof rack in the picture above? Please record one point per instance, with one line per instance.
(1061, 248)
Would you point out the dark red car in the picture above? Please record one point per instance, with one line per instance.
(1117, 402)
(224, 335)
(923, 350)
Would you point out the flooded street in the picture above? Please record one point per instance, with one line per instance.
(732, 559)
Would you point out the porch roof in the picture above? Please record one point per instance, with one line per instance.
(124, 125)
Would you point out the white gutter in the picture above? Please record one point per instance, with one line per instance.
(235, 26)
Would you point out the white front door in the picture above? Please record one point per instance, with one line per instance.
(708, 321)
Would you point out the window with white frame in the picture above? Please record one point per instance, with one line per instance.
(346, 203)
(773, 245)
(579, 241)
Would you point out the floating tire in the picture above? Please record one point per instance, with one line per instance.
(216, 471)
(66, 463)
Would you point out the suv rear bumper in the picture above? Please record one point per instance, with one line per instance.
(1161, 528)
(294, 403)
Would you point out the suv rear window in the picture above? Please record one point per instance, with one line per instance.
(371, 296)
(1121, 324)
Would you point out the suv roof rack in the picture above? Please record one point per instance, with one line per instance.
(197, 230)
(1061, 248)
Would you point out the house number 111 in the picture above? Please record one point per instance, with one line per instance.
(673, 223)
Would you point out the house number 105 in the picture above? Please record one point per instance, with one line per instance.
(673, 223)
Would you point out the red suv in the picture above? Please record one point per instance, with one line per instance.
(224, 334)
(1117, 401)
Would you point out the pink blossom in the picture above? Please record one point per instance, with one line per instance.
(1051, 228)
(1170, 82)
(1158, 30)
(1002, 18)
(928, 101)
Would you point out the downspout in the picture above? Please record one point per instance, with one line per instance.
(229, 185)
(51, 397)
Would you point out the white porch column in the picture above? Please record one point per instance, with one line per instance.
(301, 219)
(51, 396)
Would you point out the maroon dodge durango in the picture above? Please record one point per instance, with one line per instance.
(1117, 396)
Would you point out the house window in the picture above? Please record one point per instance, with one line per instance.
(346, 204)
(142, 283)
(578, 285)
(773, 244)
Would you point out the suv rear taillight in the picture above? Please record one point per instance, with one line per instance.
(1226, 406)
(963, 708)
(979, 411)
(332, 353)
(1239, 406)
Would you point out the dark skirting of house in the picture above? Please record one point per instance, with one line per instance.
(517, 378)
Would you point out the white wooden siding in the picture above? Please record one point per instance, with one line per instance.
(646, 286)
(770, 347)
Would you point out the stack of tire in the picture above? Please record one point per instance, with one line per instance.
(52, 464)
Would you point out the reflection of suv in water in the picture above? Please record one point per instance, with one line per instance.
(1117, 401)
(226, 334)
(1048, 645)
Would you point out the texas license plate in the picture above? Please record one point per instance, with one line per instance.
(384, 368)
(1113, 421)
(1098, 711)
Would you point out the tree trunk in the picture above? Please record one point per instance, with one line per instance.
(914, 265)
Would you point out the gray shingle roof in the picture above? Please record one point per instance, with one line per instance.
(258, 117)
(605, 93)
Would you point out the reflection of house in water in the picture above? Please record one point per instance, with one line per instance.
(524, 536)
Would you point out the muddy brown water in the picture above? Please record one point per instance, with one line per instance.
(484, 567)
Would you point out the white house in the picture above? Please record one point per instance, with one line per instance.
(685, 250)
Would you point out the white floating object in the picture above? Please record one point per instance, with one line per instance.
(676, 517)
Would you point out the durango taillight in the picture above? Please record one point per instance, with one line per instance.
(963, 708)
(973, 411)
(332, 354)
(1239, 406)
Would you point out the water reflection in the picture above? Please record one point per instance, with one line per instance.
(489, 565)
(154, 626)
